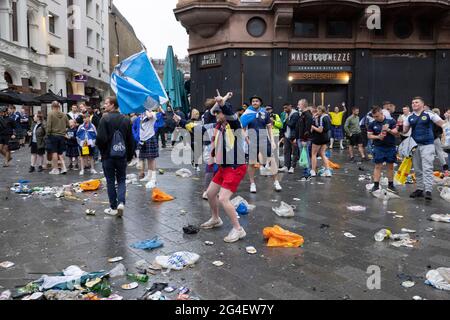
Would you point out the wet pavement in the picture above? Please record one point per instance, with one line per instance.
(46, 235)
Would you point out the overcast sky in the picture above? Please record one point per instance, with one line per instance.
(155, 25)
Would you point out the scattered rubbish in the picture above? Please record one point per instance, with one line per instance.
(398, 217)
(184, 173)
(183, 297)
(191, 229)
(142, 266)
(118, 271)
(177, 261)
(439, 278)
(408, 284)
(161, 171)
(357, 208)
(7, 264)
(71, 277)
(90, 212)
(399, 237)
(441, 218)
(242, 206)
(130, 286)
(209, 243)
(62, 295)
(324, 226)
(114, 260)
(285, 210)
(160, 196)
(408, 230)
(251, 250)
(132, 178)
(392, 212)
(349, 235)
(296, 199)
(184, 290)
(148, 244)
(93, 283)
(407, 243)
(385, 195)
(278, 237)
(92, 185)
(169, 289)
(445, 193)
(383, 234)
(218, 263)
(154, 289)
(417, 298)
(370, 186)
(6, 295)
(155, 296)
(429, 229)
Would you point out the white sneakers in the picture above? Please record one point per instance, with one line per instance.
(146, 178)
(253, 188)
(120, 210)
(151, 180)
(284, 169)
(291, 171)
(235, 235)
(54, 172)
(93, 171)
(205, 196)
(82, 172)
(111, 212)
(277, 186)
(212, 223)
(328, 173)
(313, 173)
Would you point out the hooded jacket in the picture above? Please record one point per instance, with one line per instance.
(57, 124)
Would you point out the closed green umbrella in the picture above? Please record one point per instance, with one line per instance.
(184, 99)
(170, 79)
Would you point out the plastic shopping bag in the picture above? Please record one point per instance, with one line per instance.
(407, 147)
(92, 185)
(446, 137)
(445, 193)
(85, 150)
(278, 237)
(403, 172)
(160, 196)
(304, 161)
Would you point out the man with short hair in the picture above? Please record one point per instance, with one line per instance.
(115, 167)
(7, 128)
(304, 135)
(337, 117)
(74, 113)
(406, 113)
(353, 131)
(290, 144)
(383, 131)
(421, 124)
(57, 124)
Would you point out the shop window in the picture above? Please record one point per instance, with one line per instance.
(426, 29)
(256, 27)
(53, 50)
(15, 28)
(339, 29)
(306, 29)
(403, 28)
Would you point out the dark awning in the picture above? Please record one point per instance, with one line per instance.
(9, 97)
(49, 97)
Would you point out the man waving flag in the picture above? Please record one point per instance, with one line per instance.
(137, 86)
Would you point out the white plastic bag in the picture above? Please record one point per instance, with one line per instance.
(445, 193)
(385, 195)
(441, 218)
(236, 202)
(406, 147)
(285, 210)
(439, 278)
(177, 261)
(118, 271)
(184, 173)
(446, 137)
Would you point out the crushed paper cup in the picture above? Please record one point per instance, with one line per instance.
(130, 286)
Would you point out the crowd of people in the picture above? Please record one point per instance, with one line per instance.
(233, 142)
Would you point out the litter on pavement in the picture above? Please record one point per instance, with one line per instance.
(7, 264)
(441, 218)
(184, 173)
(278, 237)
(285, 210)
(357, 208)
(439, 278)
(148, 244)
(177, 261)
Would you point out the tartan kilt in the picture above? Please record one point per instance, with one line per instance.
(149, 149)
(337, 133)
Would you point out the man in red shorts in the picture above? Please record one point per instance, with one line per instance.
(228, 152)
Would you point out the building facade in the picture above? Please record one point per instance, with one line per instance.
(58, 45)
(325, 51)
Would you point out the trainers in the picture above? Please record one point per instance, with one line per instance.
(111, 212)
(212, 223)
(428, 196)
(120, 210)
(313, 174)
(54, 172)
(277, 186)
(235, 235)
(305, 179)
(284, 169)
(291, 171)
(375, 189)
(40, 169)
(205, 196)
(328, 173)
(81, 172)
(93, 171)
(253, 188)
(32, 169)
(417, 194)
(64, 171)
(146, 178)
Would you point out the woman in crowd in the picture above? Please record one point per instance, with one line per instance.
(86, 137)
(72, 151)
(37, 143)
(320, 139)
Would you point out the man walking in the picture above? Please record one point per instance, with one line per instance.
(57, 124)
(290, 145)
(421, 124)
(304, 135)
(353, 131)
(383, 131)
(115, 142)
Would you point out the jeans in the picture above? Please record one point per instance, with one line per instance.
(307, 171)
(290, 154)
(115, 169)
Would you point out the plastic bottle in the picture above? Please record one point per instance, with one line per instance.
(382, 234)
(138, 277)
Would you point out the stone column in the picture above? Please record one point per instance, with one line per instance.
(22, 11)
(3, 83)
(60, 82)
(4, 20)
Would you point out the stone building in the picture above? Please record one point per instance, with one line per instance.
(323, 50)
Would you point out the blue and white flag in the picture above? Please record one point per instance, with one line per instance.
(250, 115)
(137, 85)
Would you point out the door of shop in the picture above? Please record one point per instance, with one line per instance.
(317, 95)
(256, 75)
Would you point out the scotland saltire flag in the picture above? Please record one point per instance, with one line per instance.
(250, 115)
(137, 85)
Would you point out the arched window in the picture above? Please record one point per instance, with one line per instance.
(8, 78)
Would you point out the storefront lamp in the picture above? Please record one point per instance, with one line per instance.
(291, 78)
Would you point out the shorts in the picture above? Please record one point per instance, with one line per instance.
(356, 139)
(229, 177)
(35, 150)
(321, 139)
(56, 144)
(4, 140)
(384, 154)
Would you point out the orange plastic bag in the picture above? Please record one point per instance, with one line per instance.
(333, 165)
(437, 174)
(92, 185)
(278, 237)
(160, 196)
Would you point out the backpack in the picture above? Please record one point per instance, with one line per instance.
(118, 148)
